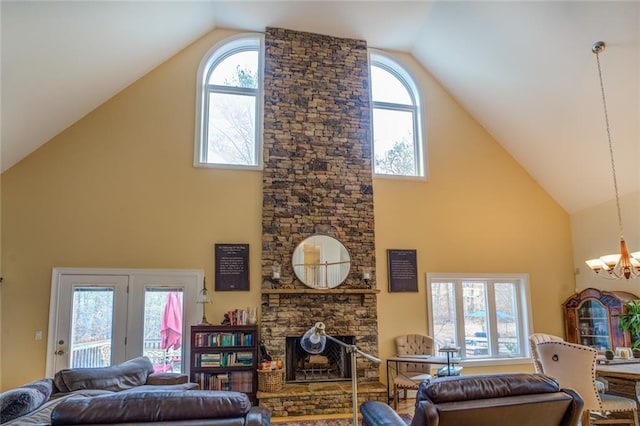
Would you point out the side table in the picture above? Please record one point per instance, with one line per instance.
(449, 370)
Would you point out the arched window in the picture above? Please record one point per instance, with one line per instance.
(398, 149)
(229, 104)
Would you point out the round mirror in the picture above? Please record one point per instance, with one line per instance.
(321, 261)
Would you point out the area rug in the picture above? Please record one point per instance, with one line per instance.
(282, 421)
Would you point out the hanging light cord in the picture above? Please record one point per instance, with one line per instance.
(613, 164)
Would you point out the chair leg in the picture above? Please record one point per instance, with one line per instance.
(395, 397)
(585, 418)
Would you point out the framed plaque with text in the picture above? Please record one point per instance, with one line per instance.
(403, 270)
(231, 267)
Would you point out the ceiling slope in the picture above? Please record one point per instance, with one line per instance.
(524, 70)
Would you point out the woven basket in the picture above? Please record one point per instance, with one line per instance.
(269, 380)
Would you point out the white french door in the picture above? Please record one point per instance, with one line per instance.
(91, 313)
(103, 317)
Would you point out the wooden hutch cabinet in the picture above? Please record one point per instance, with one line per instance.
(590, 318)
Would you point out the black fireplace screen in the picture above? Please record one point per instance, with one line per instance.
(332, 364)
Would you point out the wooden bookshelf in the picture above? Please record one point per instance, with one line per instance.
(225, 357)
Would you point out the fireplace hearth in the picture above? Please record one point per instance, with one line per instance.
(332, 364)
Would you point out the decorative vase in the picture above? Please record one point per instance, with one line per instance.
(252, 317)
(608, 354)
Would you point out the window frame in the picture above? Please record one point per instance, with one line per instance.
(524, 311)
(384, 61)
(214, 56)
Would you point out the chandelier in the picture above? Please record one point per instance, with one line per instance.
(623, 265)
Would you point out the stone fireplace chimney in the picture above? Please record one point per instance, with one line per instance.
(317, 178)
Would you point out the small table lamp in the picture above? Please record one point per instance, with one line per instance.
(204, 298)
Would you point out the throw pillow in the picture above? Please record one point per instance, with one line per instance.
(116, 378)
(23, 400)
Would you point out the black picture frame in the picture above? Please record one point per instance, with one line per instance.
(402, 267)
(231, 266)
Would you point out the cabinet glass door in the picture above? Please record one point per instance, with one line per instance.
(594, 325)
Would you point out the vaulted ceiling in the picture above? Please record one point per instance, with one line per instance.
(524, 70)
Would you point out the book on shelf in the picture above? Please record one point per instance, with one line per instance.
(209, 360)
(226, 339)
(240, 317)
(244, 358)
(241, 381)
(213, 339)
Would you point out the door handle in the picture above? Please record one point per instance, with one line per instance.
(60, 352)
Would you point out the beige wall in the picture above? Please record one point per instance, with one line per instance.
(591, 241)
(118, 189)
(1, 316)
(478, 212)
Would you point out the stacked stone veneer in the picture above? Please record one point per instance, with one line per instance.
(317, 178)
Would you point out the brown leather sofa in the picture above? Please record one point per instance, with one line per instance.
(126, 393)
(496, 399)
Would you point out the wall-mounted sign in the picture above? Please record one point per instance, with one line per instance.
(231, 267)
(403, 270)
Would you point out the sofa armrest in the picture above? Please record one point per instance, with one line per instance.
(152, 406)
(166, 379)
(376, 413)
(258, 416)
(574, 413)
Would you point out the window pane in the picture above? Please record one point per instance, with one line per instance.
(385, 87)
(237, 70)
(506, 312)
(231, 129)
(394, 142)
(443, 299)
(91, 327)
(475, 319)
(492, 314)
(163, 316)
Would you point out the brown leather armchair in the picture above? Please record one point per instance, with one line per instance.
(496, 399)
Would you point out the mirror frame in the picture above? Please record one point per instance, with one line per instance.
(320, 279)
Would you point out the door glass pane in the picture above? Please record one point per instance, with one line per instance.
(443, 298)
(163, 319)
(476, 331)
(593, 321)
(91, 327)
(506, 302)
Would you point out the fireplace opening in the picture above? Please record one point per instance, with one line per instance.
(332, 364)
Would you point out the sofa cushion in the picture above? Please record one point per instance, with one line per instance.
(152, 406)
(462, 388)
(147, 388)
(116, 378)
(25, 399)
(167, 379)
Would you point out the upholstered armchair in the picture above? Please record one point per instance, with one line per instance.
(536, 338)
(574, 366)
(410, 375)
